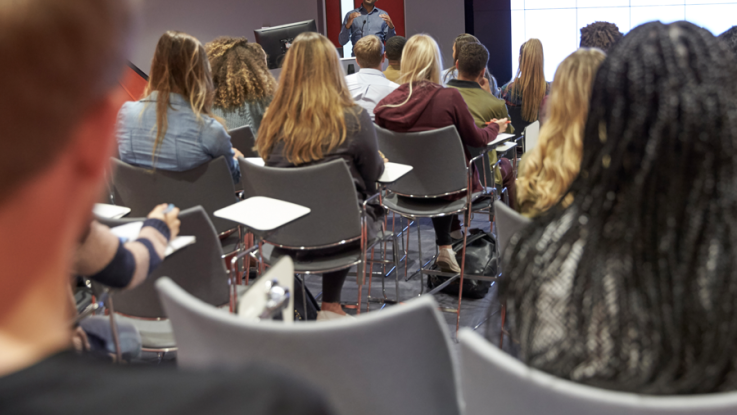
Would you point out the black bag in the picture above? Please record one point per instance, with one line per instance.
(481, 259)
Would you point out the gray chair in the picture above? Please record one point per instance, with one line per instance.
(198, 268)
(209, 185)
(338, 357)
(532, 132)
(495, 383)
(439, 169)
(243, 140)
(335, 218)
(508, 222)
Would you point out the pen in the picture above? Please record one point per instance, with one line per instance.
(169, 208)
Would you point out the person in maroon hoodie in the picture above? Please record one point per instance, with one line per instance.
(423, 104)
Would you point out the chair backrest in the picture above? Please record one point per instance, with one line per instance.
(197, 268)
(508, 222)
(209, 185)
(242, 138)
(494, 382)
(519, 123)
(326, 188)
(338, 357)
(532, 132)
(439, 164)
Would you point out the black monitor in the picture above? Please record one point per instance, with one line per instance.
(276, 40)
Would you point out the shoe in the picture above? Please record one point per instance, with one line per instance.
(329, 315)
(447, 261)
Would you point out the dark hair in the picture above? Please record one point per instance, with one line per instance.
(602, 35)
(472, 59)
(59, 57)
(730, 37)
(633, 286)
(394, 48)
(460, 40)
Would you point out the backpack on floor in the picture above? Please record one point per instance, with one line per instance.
(481, 259)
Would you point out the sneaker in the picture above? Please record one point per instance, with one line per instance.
(447, 261)
(329, 315)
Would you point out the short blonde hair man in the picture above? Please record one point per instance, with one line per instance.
(369, 52)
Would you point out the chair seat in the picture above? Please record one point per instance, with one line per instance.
(425, 208)
(155, 334)
(230, 243)
(327, 263)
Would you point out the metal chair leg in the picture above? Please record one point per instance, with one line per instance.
(419, 247)
(504, 317)
(114, 329)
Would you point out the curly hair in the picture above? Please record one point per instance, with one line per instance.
(239, 72)
(730, 37)
(602, 35)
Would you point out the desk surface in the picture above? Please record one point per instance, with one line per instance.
(501, 138)
(393, 172)
(110, 211)
(263, 213)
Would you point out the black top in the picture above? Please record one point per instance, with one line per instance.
(360, 150)
(70, 384)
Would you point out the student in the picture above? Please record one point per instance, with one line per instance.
(393, 54)
(471, 67)
(452, 72)
(424, 104)
(525, 93)
(602, 35)
(303, 129)
(546, 172)
(244, 87)
(369, 86)
(50, 175)
(173, 126)
(632, 286)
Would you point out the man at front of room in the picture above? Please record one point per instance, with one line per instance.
(366, 20)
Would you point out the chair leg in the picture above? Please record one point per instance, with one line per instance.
(419, 248)
(395, 254)
(467, 216)
(114, 329)
(504, 317)
(304, 297)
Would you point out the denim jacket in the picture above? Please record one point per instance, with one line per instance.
(188, 142)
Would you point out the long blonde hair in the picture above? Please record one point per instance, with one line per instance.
(308, 110)
(421, 61)
(180, 65)
(549, 169)
(530, 79)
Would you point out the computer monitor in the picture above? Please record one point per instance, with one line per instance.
(276, 40)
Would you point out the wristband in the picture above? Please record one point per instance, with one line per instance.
(153, 256)
(160, 226)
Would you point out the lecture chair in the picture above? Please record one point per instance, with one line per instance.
(243, 140)
(197, 268)
(508, 222)
(335, 219)
(532, 132)
(493, 382)
(339, 357)
(209, 185)
(439, 170)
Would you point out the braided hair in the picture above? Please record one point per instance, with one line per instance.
(602, 35)
(633, 286)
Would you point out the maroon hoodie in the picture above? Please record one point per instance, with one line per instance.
(431, 107)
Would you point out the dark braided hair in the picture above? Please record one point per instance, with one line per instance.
(602, 35)
(730, 37)
(633, 286)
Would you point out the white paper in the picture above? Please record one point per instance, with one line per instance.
(256, 160)
(130, 231)
(110, 211)
(394, 171)
(500, 139)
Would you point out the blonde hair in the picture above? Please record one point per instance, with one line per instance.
(421, 61)
(549, 169)
(530, 78)
(308, 110)
(369, 51)
(179, 66)
(239, 72)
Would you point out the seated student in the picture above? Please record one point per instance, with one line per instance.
(525, 93)
(473, 86)
(369, 86)
(50, 175)
(602, 35)
(423, 104)
(301, 129)
(730, 37)
(632, 286)
(452, 72)
(244, 87)
(172, 127)
(546, 172)
(393, 54)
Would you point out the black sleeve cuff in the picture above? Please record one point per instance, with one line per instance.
(160, 226)
(119, 272)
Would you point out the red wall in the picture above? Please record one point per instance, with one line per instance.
(395, 9)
